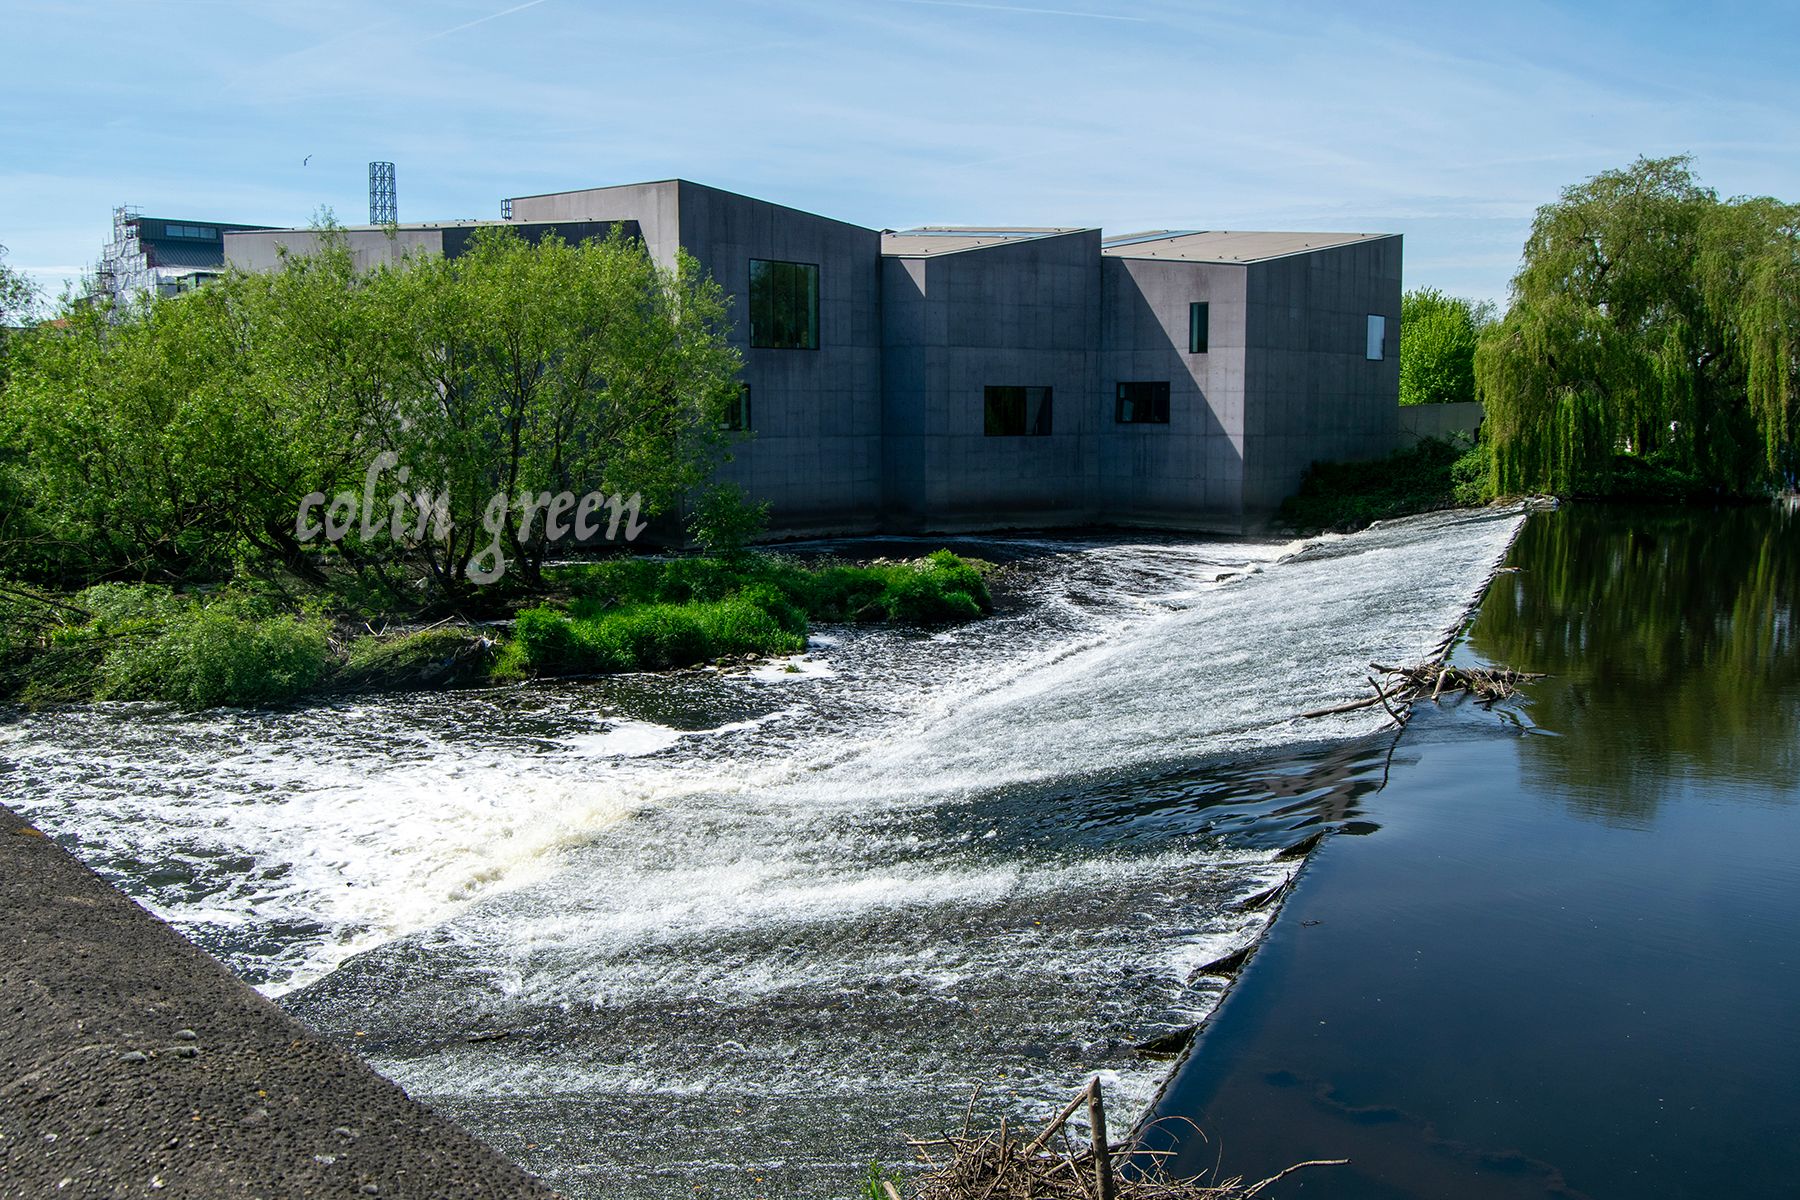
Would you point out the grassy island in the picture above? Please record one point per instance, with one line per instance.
(247, 645)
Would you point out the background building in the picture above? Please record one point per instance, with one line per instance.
(958, 378)
(159, 255)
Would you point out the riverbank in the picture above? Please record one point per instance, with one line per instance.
(133, 1063)
(1343, 497)
(255, 646)
(1554, 964)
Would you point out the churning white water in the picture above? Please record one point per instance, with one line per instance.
(731, 934)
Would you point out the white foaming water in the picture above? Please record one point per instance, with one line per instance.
(995, 854)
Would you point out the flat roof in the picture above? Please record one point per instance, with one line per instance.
(470, 223)
(929, 240)
(1226, 245)
(404, 226)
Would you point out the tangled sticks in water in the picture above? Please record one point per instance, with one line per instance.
(1002, 1165)
(1433, 680)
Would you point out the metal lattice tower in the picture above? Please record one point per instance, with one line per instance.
(384, 206)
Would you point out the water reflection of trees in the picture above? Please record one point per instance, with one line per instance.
(1670, 636)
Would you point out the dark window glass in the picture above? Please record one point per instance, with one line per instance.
(1197, 331)
(1016, 411)
(784, 305)
(737, 417)
(1143, 404)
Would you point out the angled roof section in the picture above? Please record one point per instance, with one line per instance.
(929, 241)
(1226, 245)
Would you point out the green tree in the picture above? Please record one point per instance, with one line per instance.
(1648, 318)
(530, 371)
(17, 295)
(177, 440)
(1438, 334)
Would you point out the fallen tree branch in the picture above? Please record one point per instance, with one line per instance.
(999, 1166)
(1438, 680)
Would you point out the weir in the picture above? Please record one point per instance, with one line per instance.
(744, 930)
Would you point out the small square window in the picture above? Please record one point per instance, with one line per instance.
(1199, 314)
(1377, 348)
(1016, 411)
(1144, 403)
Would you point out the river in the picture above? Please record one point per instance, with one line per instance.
(1564, 961)
(734, 933)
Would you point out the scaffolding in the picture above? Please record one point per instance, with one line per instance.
(124, 269)
(384, 206)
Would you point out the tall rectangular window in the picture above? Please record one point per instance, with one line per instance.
(1377, 348)
(1197, 331)
(737, 417)
(1143, 404)
(784, 305)
(1016, 412)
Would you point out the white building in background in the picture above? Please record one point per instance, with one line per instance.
(159, 255)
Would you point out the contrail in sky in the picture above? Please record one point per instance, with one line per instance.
(483, 20)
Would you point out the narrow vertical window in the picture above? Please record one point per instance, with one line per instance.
(737, 417)
(784, 305)
(1377, 349)
(1197, 327)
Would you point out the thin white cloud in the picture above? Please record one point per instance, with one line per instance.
(505, 12)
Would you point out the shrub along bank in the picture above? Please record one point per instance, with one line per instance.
(240, 647)
(1345, 497)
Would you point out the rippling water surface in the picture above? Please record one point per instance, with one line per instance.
(731, 933)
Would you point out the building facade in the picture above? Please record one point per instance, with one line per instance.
(948, 378)
(158, 256)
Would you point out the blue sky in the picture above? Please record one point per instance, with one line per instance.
(1444, 122)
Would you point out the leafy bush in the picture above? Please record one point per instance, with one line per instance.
(725, 521)
(212, 656)
(645, 637)
(1471, 476)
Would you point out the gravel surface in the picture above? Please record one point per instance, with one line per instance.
(132, 1064)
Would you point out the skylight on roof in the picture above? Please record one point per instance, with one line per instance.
(1006, 233)
(1161, 236)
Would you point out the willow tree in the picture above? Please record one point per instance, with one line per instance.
(1648, 318)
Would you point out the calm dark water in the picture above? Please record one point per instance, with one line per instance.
(1566, 961)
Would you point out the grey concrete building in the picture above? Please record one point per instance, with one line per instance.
(959, 378)
(808, 323)
(1278, 349)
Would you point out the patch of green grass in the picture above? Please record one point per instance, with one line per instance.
(869, 1186)
(644, 637)
(935, 590)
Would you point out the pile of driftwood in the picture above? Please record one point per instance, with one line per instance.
(1004, 1165)
(1432, 680)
